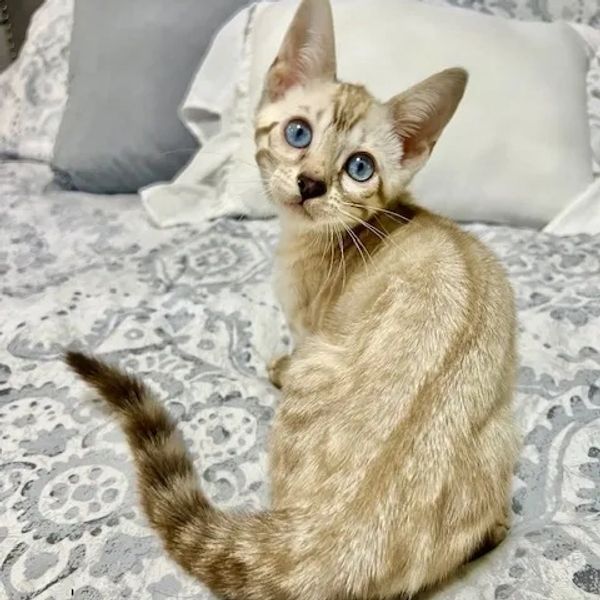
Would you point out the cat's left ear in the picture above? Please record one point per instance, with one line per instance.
(421, 113)
(307, 52)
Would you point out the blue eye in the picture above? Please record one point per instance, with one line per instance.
(360, 167)
(298, 133)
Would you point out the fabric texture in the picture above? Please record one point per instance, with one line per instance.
(33, 90)
(204, 189)
(131, 64)
(508, 155)
(192, 310)
(593, 91)
(580, 216)
(586, 12)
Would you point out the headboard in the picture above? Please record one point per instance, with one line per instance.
(19, 13)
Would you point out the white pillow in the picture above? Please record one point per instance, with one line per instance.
(582, 215)
(592, 39)
(517, 150)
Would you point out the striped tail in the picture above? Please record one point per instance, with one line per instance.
(246, 557)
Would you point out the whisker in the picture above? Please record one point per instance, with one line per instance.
(354, 239)
(368, 226)
(393, 215)
(384, 237)
(362, 245)
(343, 262)
(325, 246)
(331, 246)
(380, 234)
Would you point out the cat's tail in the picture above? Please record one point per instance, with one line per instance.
(269, 556)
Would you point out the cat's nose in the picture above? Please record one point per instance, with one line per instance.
(310, 188)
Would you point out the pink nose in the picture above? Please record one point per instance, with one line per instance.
(310, 188)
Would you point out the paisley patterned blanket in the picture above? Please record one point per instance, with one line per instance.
(192, 309)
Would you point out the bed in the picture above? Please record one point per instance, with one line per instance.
(191, 309)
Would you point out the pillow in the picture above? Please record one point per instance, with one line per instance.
(516, 152)
(33, 90)
(131, 63)
(592, 38)
(582, 215)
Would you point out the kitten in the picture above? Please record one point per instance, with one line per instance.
(394, 443)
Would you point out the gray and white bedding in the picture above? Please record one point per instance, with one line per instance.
(192, 310)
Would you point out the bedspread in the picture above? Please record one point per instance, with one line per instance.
(192, 310)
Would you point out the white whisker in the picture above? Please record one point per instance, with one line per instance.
(380, 234)
(325, 245)
(390, 213)
(331, 246)
(343, 262)
(357, 243)
(384, 235)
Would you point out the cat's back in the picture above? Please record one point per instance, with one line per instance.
(424, 335)
(428, 271)
(430, 243)
(403, 404)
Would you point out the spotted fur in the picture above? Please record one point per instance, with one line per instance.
(351, 104)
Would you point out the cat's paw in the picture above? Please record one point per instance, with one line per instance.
(277, 369)
(497, 534)
(494, 537)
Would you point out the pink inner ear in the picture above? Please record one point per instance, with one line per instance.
(415, 147)
(281, 82)
(281, 79)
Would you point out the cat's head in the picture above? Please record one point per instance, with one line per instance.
(329, 152)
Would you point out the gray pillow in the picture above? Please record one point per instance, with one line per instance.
(131, 62)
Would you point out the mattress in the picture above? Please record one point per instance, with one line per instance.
(192, 310)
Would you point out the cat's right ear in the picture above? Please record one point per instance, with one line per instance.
(307, 52)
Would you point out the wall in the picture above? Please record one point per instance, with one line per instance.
(4, 52)
(20, 11)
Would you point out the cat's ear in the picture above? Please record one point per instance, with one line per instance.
(307, 52)
(421, 113)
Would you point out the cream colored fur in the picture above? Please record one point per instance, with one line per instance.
(395, 425)
(393, 445)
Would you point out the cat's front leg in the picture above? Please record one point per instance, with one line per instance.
(277, 370)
